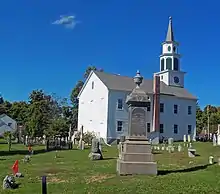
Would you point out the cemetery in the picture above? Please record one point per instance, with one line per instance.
(73, 172)
(135, 165)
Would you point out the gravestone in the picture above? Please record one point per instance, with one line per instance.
(191, 152)
(136, 156)
(184, 138)
(189, 138)
(81, 147)
(179, 148)
(214, 140)
(218, 135)
(170, 141)
(211, 159)
(9, 183)
(95, 153)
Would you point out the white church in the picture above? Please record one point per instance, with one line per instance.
(171, 110)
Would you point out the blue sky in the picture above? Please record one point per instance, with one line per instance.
(119, 36)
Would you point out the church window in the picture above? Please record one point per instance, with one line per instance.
(120, 104)
(169, 48)
(189, 110)
(162, 65)
(175, 129)
(176, 64)
(119, 125)
(92, 85)
(174, 49)
(148, 127)
(175, 109)
(189, 129)
(169, 63)
(161, 128)
(148, 106)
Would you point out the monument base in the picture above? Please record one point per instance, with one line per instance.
(135, 157)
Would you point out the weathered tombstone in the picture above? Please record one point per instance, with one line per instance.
(167, 148)
(211, 159)
(136, 146)
(158, 148)
(9, 183)
(189, 138)
(170, 141)
(162, 148)
(95, 153)
(191, 152)
(81, 139)
(179, 148)
(214, 140)
(184, 138)
(218, 135)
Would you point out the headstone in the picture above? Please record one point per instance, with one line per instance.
(172, 148)
(26, 159)
(95, 153)
(190, 145)
(167, 148)
(132, 159)
(211, 159)
(189, 138)
(179, 148)
(219, 161)
(184, 138)
(9, 183)
(191, 152)
(163, 148)
(170, 141)
(81, 139)
(158, 148)
(214, 140)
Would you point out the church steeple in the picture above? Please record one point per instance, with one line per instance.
(170, 36)
(170, 70)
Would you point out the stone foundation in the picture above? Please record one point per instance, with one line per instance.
(135, 157)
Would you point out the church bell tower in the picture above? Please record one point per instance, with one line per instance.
(170, 71)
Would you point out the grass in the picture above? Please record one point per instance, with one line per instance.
(72, 172)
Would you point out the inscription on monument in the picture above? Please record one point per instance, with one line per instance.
(138, 122)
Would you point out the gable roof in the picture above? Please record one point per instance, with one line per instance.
(123, 83)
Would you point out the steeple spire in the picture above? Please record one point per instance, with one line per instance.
(170, 36)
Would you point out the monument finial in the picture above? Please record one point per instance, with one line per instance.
(138, 79)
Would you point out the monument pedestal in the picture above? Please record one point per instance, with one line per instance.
(135, 157)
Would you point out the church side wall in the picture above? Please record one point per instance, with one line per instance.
(182, 119)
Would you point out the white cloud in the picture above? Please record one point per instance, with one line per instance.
(67, 21)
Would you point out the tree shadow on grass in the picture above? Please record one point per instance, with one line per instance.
(192, 169)
(24, 152)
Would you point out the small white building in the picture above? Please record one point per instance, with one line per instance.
(171, 110)
(7, 124)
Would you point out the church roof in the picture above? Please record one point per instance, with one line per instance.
(123, 83)
(170, 36)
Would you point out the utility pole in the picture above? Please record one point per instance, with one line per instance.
(208, 124)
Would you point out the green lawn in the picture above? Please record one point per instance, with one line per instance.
(72, 172)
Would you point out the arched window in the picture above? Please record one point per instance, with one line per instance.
(162, 65)
(169, 63)
(176, 64)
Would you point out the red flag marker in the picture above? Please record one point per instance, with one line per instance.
(15, 167)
